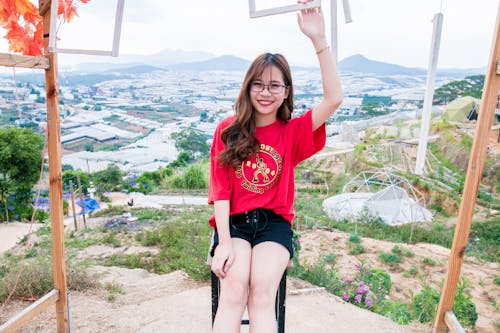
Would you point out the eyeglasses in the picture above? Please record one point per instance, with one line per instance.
(273, 88)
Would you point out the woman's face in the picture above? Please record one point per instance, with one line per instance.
(267, 93)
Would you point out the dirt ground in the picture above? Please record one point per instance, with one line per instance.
(12, 233)
(175, 303)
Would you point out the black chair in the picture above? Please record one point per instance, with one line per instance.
(280, 295)
(279, 308)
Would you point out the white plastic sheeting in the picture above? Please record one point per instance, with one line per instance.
(394, 204)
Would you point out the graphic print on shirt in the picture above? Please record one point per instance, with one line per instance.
(261, 171)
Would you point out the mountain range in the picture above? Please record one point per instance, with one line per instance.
(179, 60)
(202, 61)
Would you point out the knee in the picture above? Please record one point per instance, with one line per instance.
(235, 297)
(262, 297)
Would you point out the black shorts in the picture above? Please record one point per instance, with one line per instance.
(257, 226)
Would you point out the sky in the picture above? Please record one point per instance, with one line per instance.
(394, 31)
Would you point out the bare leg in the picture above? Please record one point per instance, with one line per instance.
(234, 290)
(269, 261)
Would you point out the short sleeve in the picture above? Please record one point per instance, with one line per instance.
(219, 185)
(309, 142)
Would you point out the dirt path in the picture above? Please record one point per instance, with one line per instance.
(12, 232)
(174, 303)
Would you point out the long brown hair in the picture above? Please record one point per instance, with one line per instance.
(239, 137)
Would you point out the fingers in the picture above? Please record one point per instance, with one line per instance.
(218, 269)
(227, 265)
(308, 10)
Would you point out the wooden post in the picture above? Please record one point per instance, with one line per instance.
(81, 200)
(73, 203)
(55, 177)
(472, 180)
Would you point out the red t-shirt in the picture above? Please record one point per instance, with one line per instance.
(266, 179)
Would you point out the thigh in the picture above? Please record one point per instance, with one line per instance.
(269, 261)
(238, 275)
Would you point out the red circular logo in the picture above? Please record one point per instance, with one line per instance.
(260, 171)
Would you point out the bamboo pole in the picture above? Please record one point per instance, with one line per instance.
(73, 203)
(55, 178)
(472, 181)
(81, 200)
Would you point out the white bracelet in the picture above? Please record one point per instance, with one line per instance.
(323, 49)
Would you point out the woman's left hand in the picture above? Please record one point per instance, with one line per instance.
(311, 21)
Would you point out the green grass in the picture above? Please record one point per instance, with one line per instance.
(36, 278)
(390, 259)
(428, 261)
(183, 243)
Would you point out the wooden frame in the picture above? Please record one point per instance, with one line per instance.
(16, 60)
(315, 3)
(59, 295)
(116, 36)
(279, 10)
(477, 158)
(31, 311)
(452, 323)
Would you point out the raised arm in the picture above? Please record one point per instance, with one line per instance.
(312, 24)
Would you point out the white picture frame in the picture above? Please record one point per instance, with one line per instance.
(116, 35)
(254, 13)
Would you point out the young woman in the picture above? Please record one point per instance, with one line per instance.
(253, 157)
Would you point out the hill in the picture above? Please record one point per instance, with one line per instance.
(360, 64)
(202, 61)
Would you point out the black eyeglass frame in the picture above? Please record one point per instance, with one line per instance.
(254, 85)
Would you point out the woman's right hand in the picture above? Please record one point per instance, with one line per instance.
(223, 259)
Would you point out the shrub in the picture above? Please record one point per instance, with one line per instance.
(389, 259)
(356, 248)
(368, 288)
(428, 261)
(354, 238)
(193, 178)
(424, 304)
(397, 311)
(380, 282)
(463, 307)
(36, 279)
(496, 280)
(396, 249)
(319, 274)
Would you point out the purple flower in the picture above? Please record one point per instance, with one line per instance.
(16, 216)
(357, 266)
(347, 280)
(368, 302)
(363, 289)
(345, 297)
(357, 298)
(11, 207)
(361, 283)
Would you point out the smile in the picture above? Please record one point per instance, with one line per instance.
(265, 103)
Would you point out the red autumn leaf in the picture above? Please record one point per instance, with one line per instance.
(24, 26)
